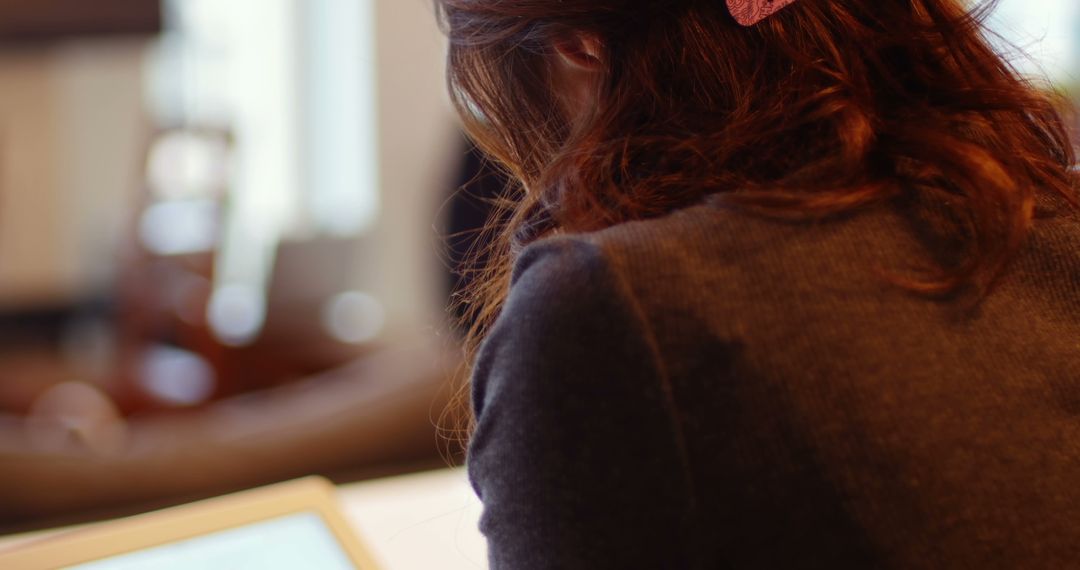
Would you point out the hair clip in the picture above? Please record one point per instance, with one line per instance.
(750, 12)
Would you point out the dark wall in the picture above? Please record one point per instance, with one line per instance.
(37, 20)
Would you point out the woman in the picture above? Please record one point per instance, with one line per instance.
(794, 285)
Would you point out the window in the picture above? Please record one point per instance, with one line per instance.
(293, 82)
(1048, 31)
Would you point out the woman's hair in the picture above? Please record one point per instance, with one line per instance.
(825, 107)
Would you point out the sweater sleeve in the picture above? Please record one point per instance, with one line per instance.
(576, 456)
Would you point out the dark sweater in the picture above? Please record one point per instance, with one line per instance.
(718, 390)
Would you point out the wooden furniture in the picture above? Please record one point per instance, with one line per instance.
(371, 418)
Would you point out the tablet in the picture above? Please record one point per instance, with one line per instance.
(289, 525)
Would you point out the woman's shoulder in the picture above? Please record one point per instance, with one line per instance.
(715, 242)
(708, 240)
(738, 267)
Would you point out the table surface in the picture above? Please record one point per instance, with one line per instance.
(426, 520)
(410, 522)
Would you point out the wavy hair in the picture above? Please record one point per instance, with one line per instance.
(828, 106)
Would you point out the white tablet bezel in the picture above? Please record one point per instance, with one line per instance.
(129, 535)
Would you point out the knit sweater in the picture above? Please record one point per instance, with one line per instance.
(714, 389)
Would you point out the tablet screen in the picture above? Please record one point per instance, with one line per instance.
(295, 541)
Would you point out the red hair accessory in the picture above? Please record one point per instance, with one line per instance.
(750, 12)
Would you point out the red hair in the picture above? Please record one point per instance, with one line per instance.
(825, 107)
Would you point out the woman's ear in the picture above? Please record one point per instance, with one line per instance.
(578, 67)
(582, 51)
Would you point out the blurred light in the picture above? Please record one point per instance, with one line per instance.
(236, 314)
(176, 377)
(354, 317)
(188, 165)
(173, 228)
(340, 114)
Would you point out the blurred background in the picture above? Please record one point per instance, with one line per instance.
(224, 230)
